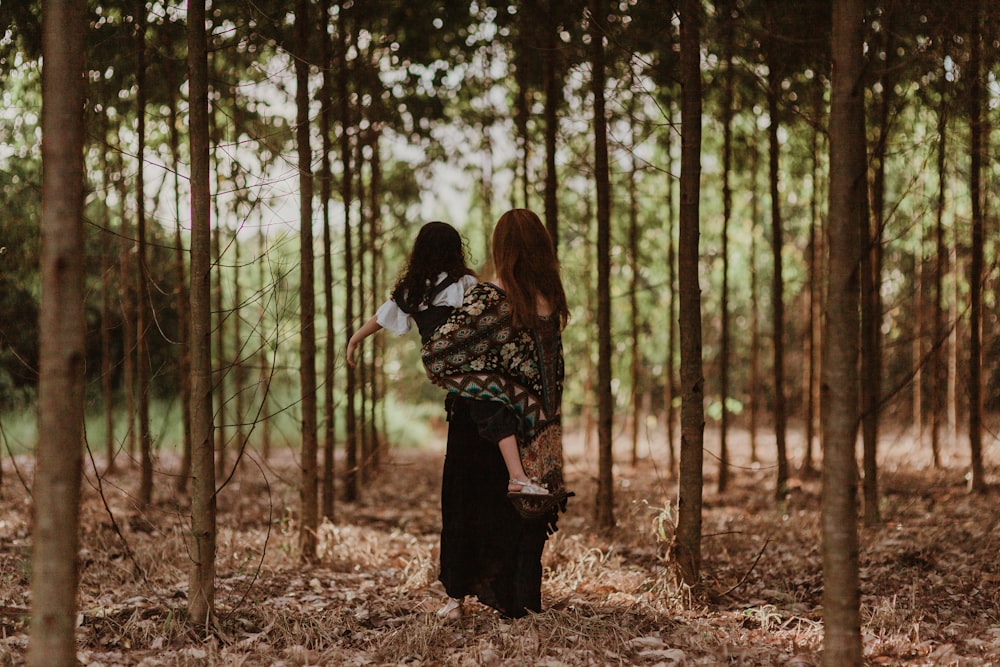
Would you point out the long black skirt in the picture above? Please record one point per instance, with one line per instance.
(487, 549)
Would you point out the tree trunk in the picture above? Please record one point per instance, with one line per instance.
(814, 314)
(221, 365)
(670, 383)
(375, 233)
(141, 278)
(201, 586)
(777, 281)
(635, 366)
(848, 191)
(727, 209)
(687, 547)
(553, 96)
(106, 363)
(521, 112)
(350, 390)
(62, 348)
(940, 365)
(325, 117)
(755, 317)
(307, 299)
(266, 365)
(364, 425)
(181, 294)
(977, 149)
(604, 507)
(126, 286)
(871, 287)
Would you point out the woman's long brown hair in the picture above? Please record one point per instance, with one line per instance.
(526, 264)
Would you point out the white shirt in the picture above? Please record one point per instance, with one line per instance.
(391, 317)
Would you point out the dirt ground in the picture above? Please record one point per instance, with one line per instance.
(929, 572)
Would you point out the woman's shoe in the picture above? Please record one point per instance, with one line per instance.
(451, 611)
(528, 488)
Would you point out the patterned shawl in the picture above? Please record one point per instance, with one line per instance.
(478, 353)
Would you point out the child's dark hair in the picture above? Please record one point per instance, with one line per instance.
(438, 248)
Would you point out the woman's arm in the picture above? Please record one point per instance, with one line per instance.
(367, 329)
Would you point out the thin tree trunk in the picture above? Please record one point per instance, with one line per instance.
(351, 441)
(325, 124)
(940, 369)
(307, 305)
(239, 348)
(181, 294)
(201, 549)
(777, 281)
(848, 190)
(754, 305)
(635, 372)
(221, 367)
(670, 384)
(266, 368)
(375, 233)
(814, 313)
(589, 381)
(977, 148)
(523, 140)
(871, 286)
(727, 209)
(127, 287)
(687, 547)
(106, 364)
(364, 468)
(141, 278)
(553, 96)
(62, 345)
(604, 507)
(918, 339)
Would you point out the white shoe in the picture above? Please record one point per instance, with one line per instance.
(528, 488)
(452, 610)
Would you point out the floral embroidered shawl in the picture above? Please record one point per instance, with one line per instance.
(478, 353)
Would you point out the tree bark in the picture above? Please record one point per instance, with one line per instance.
(325, 124)
(976, 193)
(777, 280)
(553, 96)
(670, 383)
(201, 587)
(727, 209)
(755, 315)
(635, 365)
(62, 351)
(814, 303)
(307, 299)
(604, 507)
(940, 363)
(140, 276)
(687, 547)
(848, 190)
(346, 193)
(181, 294)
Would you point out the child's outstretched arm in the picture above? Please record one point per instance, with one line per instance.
(367, 329)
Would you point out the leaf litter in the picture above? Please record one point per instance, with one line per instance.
(929, 575)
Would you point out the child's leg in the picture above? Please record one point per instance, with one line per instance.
(512, 459)
(518, 479)
(498, 423)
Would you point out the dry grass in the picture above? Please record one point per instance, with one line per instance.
(929, 576)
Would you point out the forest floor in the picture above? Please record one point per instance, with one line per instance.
(930, 575)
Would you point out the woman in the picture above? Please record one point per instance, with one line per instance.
(431, 285)
(503, 345)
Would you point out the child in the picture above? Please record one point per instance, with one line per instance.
(432, 284)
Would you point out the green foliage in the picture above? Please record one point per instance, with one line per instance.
(438, 83)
